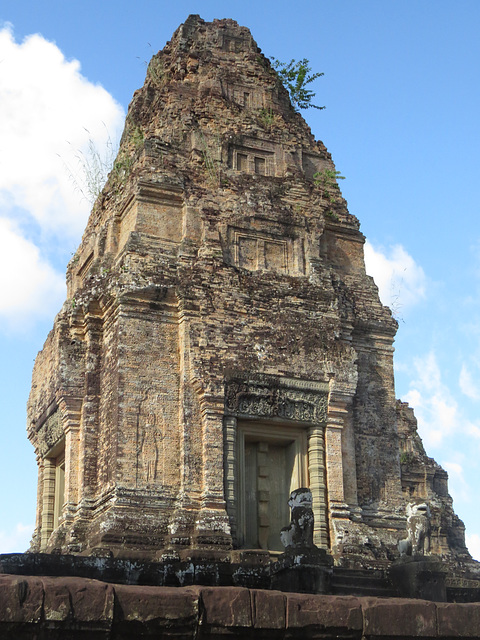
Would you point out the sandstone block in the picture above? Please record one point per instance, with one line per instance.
(143, 609)
(268, 609)
(21, 599)
(458, 620)
(332, 614)
(226, 607)
(79, 599)
(399, 618)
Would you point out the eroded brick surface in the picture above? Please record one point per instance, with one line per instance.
(219, 312)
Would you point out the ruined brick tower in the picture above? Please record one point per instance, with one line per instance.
(221, 343)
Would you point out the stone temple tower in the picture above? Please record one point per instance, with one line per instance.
(221, 343)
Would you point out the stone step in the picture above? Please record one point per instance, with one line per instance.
(360, 583)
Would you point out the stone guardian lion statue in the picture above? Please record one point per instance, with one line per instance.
(299, 533)
(417, 541)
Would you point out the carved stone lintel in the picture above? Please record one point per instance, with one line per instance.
(274, 397)
(50, 433)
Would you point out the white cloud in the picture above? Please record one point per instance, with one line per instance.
(457, 485)
(29, 285)
(435, 408)
(473, 544)
(400, 280)
(438, 413)
(467, 385)
(454, 467)
(49, 113)
(46, 106)
(16, 540)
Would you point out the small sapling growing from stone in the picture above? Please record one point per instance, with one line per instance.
(295, 76)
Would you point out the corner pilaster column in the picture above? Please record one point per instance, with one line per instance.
(334, 463)
(263, 494)
(337, 419)
(316, 472)
(48, 503)
(37, 533)
(230, 461)
(88, 434)
(212, 525)
(71, 409)
(213, 457)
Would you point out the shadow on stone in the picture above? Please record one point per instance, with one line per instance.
(420, 577)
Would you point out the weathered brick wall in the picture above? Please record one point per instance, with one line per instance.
(212, 255)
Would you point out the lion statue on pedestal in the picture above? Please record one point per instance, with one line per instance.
(417, 541)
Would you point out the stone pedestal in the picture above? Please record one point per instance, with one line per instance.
(303, 571)
(420, 577)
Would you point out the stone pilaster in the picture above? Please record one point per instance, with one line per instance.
(316, 471)
(48, 505)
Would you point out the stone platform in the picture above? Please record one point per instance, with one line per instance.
(69, 607)
(423, 578)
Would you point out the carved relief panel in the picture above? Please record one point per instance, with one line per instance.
(297, 400)
(234, 43)
(246, 96)
(256, 161)
(150, 444)
(254, 155)
(50, 433)
(256, 251)
(156, 210)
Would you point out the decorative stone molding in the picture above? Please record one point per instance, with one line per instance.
(50, 433)
(269, 250)
(48, 503)
(274, 397)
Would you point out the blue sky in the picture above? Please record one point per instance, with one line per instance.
(402, 98)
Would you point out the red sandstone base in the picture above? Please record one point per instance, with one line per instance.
(49, 607)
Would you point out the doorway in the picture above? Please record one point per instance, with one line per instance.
(272, 462)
